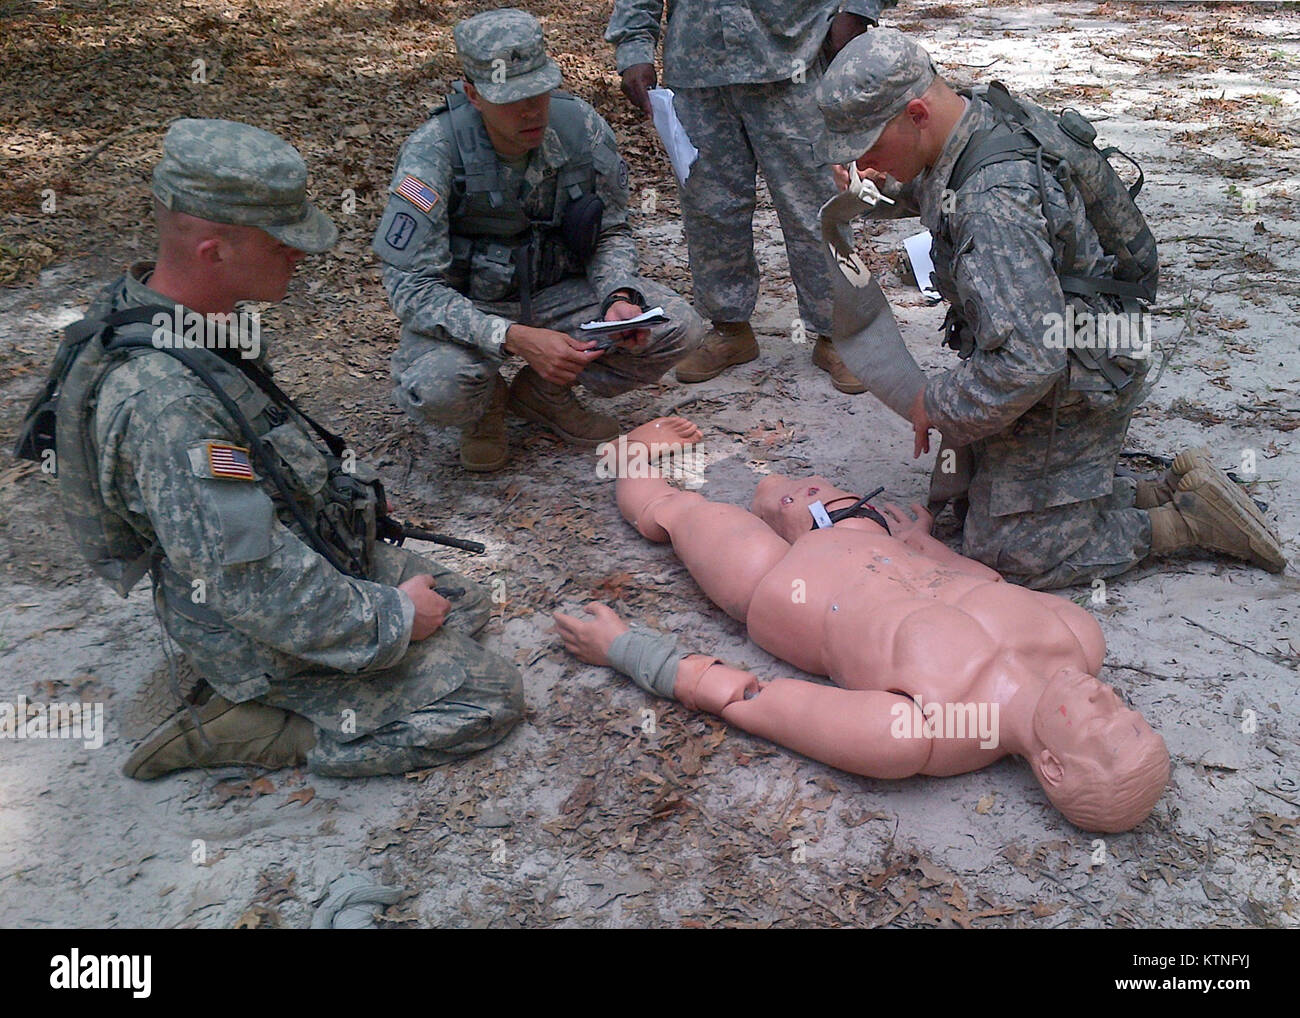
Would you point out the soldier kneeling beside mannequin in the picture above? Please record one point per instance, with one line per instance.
(506, 229)
(323, 645)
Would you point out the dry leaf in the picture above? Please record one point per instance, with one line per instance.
(302, 796)
(985, 804)
(260, 918)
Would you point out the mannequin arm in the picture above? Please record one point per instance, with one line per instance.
(845, 728)
(853, 730)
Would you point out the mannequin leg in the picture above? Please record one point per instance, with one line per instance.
(727, 549)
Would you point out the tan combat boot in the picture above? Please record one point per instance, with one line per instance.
(1209, 511)
(483, 445)
(534, 397)
(826, 358)
(238, 733)
(725, 345)
(1153, 493)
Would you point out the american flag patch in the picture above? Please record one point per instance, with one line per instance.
(229, 461)
(417, 192)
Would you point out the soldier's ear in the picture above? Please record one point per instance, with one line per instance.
(208, 251)
(471, 93)
(918, 111)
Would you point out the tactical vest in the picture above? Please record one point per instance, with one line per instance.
(1065, 147)
(342, 528)
(487, 224)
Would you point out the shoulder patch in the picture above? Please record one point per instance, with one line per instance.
(221, 460)
(400, 231)
(418, 193)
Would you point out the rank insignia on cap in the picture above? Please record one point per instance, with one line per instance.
(229, 461)
(417, 192)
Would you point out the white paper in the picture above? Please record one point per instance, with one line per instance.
(651, 315)
(918, 253)
(681, 153)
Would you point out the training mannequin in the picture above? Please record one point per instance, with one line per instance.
(898, 620)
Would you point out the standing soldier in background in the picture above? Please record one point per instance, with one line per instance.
(745, 78)
(506, 229)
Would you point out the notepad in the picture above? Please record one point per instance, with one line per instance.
(651, 316)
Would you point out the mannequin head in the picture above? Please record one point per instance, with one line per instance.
(782, 503)
(1099, 762)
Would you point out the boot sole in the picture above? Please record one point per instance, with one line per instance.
(484, 468)
(690, 377)
(1189, 459)
(521, 409)
(154, 704)
(1218, 489)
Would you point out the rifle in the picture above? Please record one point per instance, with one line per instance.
(395, 532)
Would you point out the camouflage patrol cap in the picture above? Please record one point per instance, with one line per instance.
(227, 172)
(504, 55)
(870, 82)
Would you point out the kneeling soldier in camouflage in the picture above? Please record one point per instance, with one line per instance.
(323, 645)
(506, 229)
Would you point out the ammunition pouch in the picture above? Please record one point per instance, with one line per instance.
(580, 229)
(349, 515)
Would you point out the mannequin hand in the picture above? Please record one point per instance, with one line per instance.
(590, 639)
(634, 339)
(430, 607)
(637, 81)
(556, 356)
(909, 531)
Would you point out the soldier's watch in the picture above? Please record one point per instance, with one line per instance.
(622, 293)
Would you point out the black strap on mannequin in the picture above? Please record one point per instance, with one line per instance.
(858, 509)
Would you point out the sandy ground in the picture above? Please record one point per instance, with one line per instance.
(584, 816)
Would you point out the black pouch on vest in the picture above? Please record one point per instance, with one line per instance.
(348, 519)
(36, 439)
(581, 226)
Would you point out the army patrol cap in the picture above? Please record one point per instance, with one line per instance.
(504, 55)
(227, 172)
(870, 82)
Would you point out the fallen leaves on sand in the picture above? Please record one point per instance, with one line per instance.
(227, 790)
(302, 796)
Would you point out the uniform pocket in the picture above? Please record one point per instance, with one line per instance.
(492, 272)
(303, 464)
(1010, 496)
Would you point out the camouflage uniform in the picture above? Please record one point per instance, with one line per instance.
(276, 622)
(1046, 509)
(736, 73)
(455, 310)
